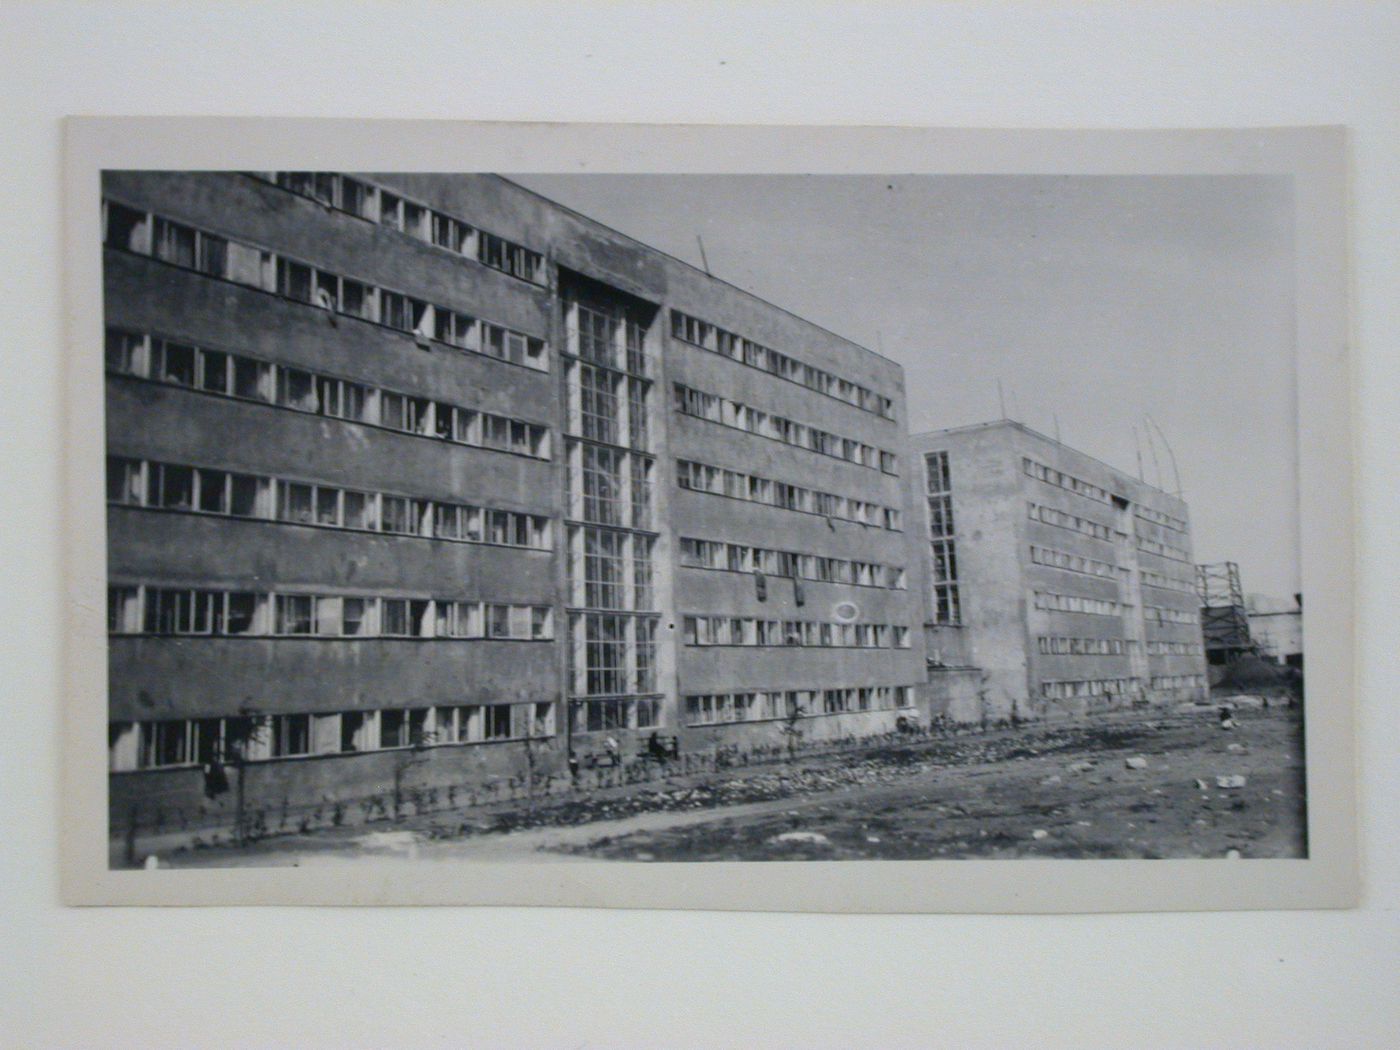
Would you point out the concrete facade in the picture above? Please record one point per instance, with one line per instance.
(1068, 583)
(428, 471)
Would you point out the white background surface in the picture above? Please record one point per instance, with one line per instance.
(453, 977)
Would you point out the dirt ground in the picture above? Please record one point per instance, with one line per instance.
(1066, 791)
(1056, 799)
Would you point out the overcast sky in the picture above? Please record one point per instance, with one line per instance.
(1097, 300)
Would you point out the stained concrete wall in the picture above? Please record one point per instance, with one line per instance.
(157, 677)
(169, 677)
(998, 580)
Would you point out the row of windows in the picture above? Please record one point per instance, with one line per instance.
(710, 337)
(253, 738)
(215, 256)
(719, 708)
(700, 477)
(716, 409)
(595, 716)
(1179, 681)
(1090, 687)
(738, 557)
(1160, 614)
(1174, 648)
(1061, 519)
(744, 630)
(1059, 478)
(1076, 603)
(1164, 550)
(145, 609)
(232, 375)
(1157, 517)
(169, 486)
(375, 204)
(1168, 583)
(1056, 646)
(1057, 559)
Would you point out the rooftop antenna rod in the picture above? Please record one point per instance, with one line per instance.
(703, 260)
(1001, 399)
(1152, 447)
(1055, 416)
(1137, 446)
(1170, 454)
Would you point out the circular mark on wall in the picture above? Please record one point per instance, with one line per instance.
(845, 612)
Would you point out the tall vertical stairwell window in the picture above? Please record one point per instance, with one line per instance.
(947, 601)
(612, 615)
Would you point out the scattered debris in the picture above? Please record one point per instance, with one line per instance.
(1080, 767)
(1052, 781)
(152, 862)
(1201, 785)
(1040, 833)
(1230, 782)
(1232, 854)
(1136, 763)
(872, 838)
(1237, 749)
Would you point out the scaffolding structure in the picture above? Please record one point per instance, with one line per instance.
(1224, 620)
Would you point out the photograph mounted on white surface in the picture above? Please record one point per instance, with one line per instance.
(732, 503)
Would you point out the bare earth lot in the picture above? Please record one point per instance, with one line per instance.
(1001, 809)
(1040, 791)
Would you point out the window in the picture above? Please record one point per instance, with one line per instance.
(124, 352)
(252, 379)
(125, 228)
(294, 502)
(453, 328)
(403, 618)
(290, 735)
(125, 481)
(402, 515)
(510, 258)
(123, 610)
(296, 614)
(170, 486)
(173, 363)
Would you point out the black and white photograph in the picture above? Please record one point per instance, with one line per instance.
(493, 520)
(700, 517)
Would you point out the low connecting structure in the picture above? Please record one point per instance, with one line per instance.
(1057, 584)
(428, 479)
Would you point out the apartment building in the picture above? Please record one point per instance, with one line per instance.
(1058, 583)
(430, 471)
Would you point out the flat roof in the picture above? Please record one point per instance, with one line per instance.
(691, 266)
(992, 424)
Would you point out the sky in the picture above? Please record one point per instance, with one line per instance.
(1098, 302)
